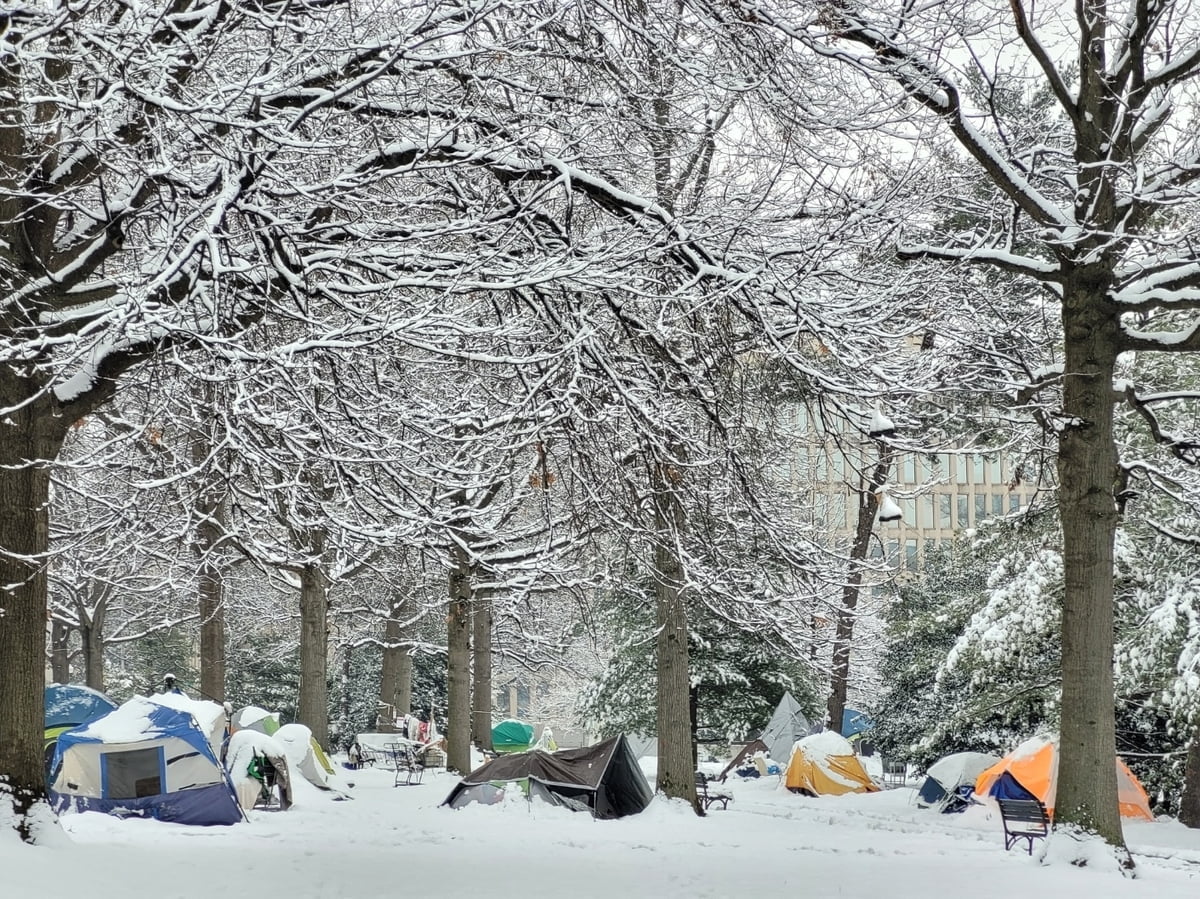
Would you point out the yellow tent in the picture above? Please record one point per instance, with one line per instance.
(824, 764)
(1035, 766)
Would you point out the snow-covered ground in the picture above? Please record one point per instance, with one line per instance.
(396, 842)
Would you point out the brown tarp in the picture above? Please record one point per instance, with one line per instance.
(605, 779)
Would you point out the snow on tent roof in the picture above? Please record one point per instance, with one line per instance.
(135, 721)
(252, 716)
(210, 716)
(826, 743)
(72, 704)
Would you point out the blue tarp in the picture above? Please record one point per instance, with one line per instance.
(70, 704)
(855, 722)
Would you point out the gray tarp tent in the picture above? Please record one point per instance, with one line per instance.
(787, 725)
(604, 779)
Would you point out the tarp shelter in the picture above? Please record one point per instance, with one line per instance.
(603, 779)
(855, 722)
(1034, 765)
(824, 764)
(950, 780)
(512, 736)
(787, 725)
(144, 759)
(305, 754)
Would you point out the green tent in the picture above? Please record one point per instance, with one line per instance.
(512, 736)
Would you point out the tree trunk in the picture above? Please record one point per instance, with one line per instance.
(313, 707)
(343, 722)
(676, 776)
(30, 432)
(212, 629)
(210, 512)
(481, 670)
(91, 634)
(1087, 473)
(1189, 803)
(843, 640)
(458, 674)
(694, 723)
(390, 673)
(60, 651)
(404, 685)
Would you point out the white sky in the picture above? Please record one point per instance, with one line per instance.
(396, 842)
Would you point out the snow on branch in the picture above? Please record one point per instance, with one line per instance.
(922, 80)
(1186, 449)
(1009, 262)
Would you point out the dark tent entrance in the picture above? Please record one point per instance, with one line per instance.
(604, 779)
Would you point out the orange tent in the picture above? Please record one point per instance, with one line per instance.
(1035, 765)
(824, 764)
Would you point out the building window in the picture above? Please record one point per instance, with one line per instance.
(944, 511)
(910, 554)
(910, 469)
(964, 520)
(980, 508)
(977, 469)
(1014, 502)
(997, 504)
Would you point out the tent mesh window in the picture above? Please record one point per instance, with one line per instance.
(132, 774)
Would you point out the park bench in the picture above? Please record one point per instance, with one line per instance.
(1024, 819)
(708, 796)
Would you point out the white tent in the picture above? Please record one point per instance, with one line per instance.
(244, 748)
(304, 755)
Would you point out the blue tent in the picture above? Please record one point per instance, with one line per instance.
(855, 722)
(143, 760)
(71, 704)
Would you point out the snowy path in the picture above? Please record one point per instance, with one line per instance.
(397, 842)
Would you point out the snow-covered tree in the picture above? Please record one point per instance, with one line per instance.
(1092, 207)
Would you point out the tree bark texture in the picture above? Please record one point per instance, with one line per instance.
(1189, 803)
(32, 434)
(60, 652)
(458, 674)
(481, 670)
(389, 669)
(91, 633)
(843, 640)
(312, 709)
(210, 515)
(676, 776)
(1088, 473)
(212, 628)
